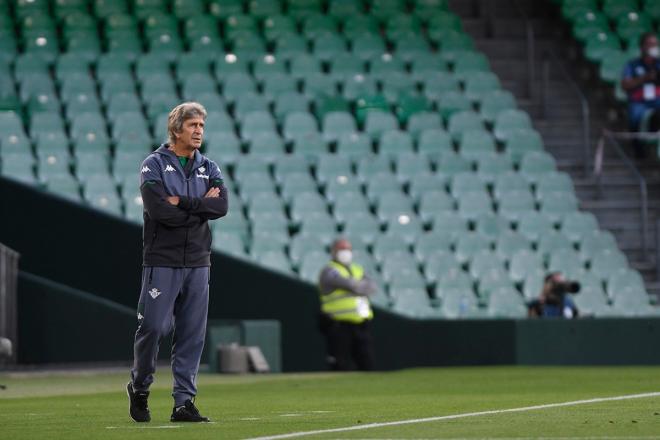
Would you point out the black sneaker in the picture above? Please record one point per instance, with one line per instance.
(138, 408)
(187, 413)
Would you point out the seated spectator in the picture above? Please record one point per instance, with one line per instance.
(641, 81)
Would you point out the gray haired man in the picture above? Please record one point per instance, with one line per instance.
(182, 190)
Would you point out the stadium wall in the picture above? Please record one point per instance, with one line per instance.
(68, 250)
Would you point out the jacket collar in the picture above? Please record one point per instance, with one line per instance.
(198, 158)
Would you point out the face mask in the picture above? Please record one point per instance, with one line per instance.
(654, 52)
(344, 256)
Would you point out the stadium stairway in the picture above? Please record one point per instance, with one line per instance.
(502, 37)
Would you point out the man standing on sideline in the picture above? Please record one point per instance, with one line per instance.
(345, 310)
(182, 190)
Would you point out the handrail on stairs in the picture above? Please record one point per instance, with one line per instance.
(610, 138)
(548, 58)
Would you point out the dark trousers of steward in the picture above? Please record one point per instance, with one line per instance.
(350, 345)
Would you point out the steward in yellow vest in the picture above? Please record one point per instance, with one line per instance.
(345, 310)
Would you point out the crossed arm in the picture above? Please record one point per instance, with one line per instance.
(177, 211)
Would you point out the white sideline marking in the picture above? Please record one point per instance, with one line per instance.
(590, 437)
(457, 416)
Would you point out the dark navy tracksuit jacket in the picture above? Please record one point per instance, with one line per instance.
(176, 260)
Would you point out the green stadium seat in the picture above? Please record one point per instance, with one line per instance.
(361, 226)
(622, 279)
(434, 202)
(278, 25)
(556, 205)
(275, 84)
(409, 105)
(434, 141)
(222, 144)
(290, 102)
(524, 262)
(492, 165)
(477, 84)
(394, 142)
(422, 182)
(554, 182)
(566, 261)
(463, 183)
(433, 249)
(509, 243)
(379, 184)
(396, 85)
(535, 164)
(411, 45)
(475, 143)
(607, 262)
(378, 122)
(337, 124)
(303, 65)
(534, 225)
(328, 46)
(439, 83)
(508, 121)
(469, 62)
(235, 85)
(352, 144)
(319, 84)
(522, 141)
(463, 121)
(600, 46)
(424, 120)
(449, 223)
(453, 102)
(596, 241)
(552, 241)
(459, 303)
(298, 123)
(513, 204)
(576, 225)
(356, 86)
(409, 165)
(494, 102)
(302, 245)
(507, 182)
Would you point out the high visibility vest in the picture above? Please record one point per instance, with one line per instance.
(344, 305)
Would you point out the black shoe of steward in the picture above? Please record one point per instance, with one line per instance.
(187, 413)
(138, 408)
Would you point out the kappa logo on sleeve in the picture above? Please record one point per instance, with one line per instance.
(169, 168)
(145, 169)
(154, 293)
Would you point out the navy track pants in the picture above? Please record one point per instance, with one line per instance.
(176, 299)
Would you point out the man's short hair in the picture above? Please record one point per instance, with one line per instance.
(645, 36)
(181, 113)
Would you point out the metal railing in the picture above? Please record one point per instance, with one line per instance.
(609, 137)
(8, 287)
(548, 58)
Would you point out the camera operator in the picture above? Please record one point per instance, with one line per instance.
(555, 301)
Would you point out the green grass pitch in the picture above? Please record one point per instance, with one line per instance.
(93, 406)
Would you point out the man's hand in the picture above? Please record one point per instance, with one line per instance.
(650, 76)
(173, 200)
(213, 192)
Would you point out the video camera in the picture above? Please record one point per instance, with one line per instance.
(558, 289)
